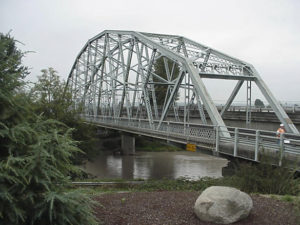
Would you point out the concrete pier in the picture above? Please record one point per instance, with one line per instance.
(127, 144)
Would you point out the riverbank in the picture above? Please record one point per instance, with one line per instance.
(176, 207)
(169, 201)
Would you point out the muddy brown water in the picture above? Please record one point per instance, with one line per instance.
(156, 165)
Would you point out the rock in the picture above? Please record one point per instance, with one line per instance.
(222, 205)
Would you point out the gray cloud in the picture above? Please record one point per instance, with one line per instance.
(263, 32)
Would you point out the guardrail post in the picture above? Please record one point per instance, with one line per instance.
(217, 139)
(257, 140)
(281, 149)
(236, 140)
(139, 123)
(168, 131)
(294, 106)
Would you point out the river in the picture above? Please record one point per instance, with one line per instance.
(156, 165)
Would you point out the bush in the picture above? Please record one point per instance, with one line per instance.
(266, 179)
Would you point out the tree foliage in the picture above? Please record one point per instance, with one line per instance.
(160, 69)
(50, 98)
(12, 72)
(35, 156)
(48, 95)
(259, 103)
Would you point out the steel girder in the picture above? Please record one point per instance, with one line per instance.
(115, 70)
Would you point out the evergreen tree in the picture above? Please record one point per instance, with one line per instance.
(159, 69)
(35, 156)
(259, 103)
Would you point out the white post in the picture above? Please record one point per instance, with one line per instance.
(257, 140)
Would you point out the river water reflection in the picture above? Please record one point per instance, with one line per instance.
(156, 165)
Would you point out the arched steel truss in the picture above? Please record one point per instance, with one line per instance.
(113, 76)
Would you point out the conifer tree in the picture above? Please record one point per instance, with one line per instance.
(34, 156)
(160, 69)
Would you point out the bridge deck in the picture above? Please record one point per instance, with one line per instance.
(241, 142)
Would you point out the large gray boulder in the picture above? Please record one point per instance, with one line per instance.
(223, 205)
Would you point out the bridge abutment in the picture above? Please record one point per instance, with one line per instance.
(127, 144)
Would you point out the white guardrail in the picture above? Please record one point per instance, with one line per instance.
(240, 142)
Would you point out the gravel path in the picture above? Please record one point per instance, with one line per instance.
(176, 208)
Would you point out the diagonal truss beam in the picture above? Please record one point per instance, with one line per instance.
(232, 96)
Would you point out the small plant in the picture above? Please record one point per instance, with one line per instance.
(123, 200)
(287, 198)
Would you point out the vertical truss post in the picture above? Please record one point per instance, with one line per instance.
(200, 107)
(152, 89)
(76, 84)
(115, 78)
(111, 100)
(188, 97)
(101, 74)
(147, 78)
(174, 102)
(171, 98)
(149, 69)
(125, 80)
(205, 60)
(86, 78)
(184, 107)
(217, 130)
(93, 79)
(248, 106)
(153, 97)
(170, 88)
(137, 77)
(144, 87)
(168, 78)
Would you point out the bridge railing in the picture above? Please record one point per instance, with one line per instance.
(250, 144)
(241, 142)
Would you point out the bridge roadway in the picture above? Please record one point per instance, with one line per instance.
(240, 142)
(259, 120)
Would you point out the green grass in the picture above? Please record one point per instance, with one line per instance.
(287, 198)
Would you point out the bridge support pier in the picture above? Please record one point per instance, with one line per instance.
(127, 144)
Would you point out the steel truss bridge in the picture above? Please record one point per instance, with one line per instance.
(117, 81)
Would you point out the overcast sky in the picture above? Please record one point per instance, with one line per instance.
(265, 33)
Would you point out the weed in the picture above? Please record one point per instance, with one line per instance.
(287, 198)
(265, 178)
(123, 200)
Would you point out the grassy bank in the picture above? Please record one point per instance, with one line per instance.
(263, 179)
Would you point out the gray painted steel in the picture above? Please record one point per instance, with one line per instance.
(114, 75)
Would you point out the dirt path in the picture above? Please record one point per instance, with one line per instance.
(176, 208)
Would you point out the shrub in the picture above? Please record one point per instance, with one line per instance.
(266, 179)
